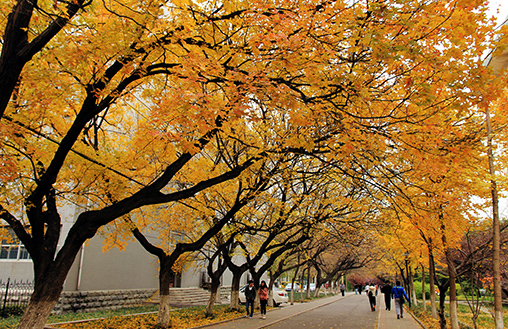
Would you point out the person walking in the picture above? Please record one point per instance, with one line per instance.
(398, 294)
(386, 289)
(342, 288)
(371, 293)
(263, 298)
(250, 296)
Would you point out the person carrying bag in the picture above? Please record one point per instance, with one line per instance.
(399, 294)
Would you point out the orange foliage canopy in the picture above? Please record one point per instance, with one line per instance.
(117, 105)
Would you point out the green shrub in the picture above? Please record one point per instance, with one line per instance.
(418, 290)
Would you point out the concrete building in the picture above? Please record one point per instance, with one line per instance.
(93, 269)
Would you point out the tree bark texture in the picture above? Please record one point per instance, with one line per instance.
(42, 302)
(432, 285)
(235, 289)
(213, 296)
(496, 238)
(164, 318)
(165, 273)
(412, 286)
(454, 320)
(424, 297)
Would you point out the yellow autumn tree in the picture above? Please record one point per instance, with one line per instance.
(104, 103)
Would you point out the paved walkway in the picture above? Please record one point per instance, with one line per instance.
(386, 319)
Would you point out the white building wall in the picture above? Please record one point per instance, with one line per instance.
(132, 268)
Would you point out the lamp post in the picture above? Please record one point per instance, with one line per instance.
(406, 278)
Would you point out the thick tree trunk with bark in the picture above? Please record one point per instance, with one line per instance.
(424, 297)
(302, 276)
(451, 276)
(164, 318)
(454, 320)
(270, 295)
(308, 283)
(235, 288)
(215, 275)
(213, 297)
(432, 285)
(165, 274)
(50, 274)
(292, 298)
(496, 246)
(412, 286)
(442, 301)
(42, 302)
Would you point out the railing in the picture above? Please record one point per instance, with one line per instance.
(14, 296)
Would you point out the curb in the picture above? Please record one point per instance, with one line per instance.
(416, 319)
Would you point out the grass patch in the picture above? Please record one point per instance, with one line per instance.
(12, 321)
(484, 321)
(298, 296)
(180, 318)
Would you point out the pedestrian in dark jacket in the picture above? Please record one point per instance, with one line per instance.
(386, 289)
(371, 293)
(250, 296)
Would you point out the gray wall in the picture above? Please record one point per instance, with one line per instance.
(132, 268)
(19, 270)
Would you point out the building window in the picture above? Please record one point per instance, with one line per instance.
(12, 249)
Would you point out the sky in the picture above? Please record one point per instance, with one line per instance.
(503, 9)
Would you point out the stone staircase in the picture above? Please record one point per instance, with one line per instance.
(184, 297)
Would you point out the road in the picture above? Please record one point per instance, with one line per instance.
(352, 312)
(349, 312)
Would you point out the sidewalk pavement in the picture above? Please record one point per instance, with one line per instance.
(275, 315)
(386, 319)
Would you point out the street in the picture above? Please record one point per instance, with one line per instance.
(351, 312)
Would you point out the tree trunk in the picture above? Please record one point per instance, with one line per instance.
(292, 299)
(235, 290)
(308, 283)
(412, 286)
(218, 300)
(316, 292)
(442, 300)
(424, 298)
(49, 277)
(454, 320)
(270, 289)
(213, 296)
(165, 272)
(432, 286)
(302, 277)
(270, 296)
(42, 302)
(163, 317)
(496, 248)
